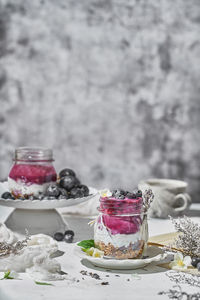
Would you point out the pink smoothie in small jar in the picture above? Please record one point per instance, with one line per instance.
(121, 230)
(32, 171)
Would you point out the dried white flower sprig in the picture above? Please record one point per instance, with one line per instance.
(7, 249)
(177, 293)
(188, 241)
(148, 197)
(179, 277)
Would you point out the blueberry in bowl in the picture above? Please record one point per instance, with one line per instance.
(63, 194)
(7, 195)
(76, 192)
(69, 182)
(85, 189)
(52, 191)
(67, 172)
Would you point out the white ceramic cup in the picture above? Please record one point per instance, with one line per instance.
(170, 197)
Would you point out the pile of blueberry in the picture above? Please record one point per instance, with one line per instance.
(121, 194)
(67, 237)
(196, 263)
(68, 186)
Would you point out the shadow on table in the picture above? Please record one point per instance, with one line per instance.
(193, 213)
(150, 269)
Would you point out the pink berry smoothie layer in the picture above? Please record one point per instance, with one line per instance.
(33, 174)
(118, 215)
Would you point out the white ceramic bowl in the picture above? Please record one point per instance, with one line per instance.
(45, 203)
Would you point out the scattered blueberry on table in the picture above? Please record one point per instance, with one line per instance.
(68, 236)
(58, 236)
(198, 266)
(195, 262)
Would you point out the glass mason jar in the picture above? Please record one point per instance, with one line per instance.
(31, 172)
(121, 229)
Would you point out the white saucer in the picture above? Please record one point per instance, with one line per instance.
(155, 255)
(43, 204)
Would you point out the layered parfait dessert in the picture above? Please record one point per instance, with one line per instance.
(33, 176)
(32, 172)
(121, 228)
(30, 179)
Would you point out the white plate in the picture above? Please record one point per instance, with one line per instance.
(155, 254)
(43, 204)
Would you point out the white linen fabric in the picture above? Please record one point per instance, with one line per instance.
(35, 259)
(89, 208)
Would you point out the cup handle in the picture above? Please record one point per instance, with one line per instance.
(189, 199)
(186, 201)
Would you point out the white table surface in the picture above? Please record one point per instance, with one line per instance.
(152, 280)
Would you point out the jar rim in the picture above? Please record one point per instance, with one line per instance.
(32, 154)
(112, 206)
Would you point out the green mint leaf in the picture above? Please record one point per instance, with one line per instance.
(86, 244)
(6, 276)
(43, 283)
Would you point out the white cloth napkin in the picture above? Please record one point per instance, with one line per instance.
(35, 259)
(88, 208)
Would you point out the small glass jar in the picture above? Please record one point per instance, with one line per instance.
(121, 229)
(32, 171)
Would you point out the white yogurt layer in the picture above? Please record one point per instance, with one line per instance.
(101, 234)
(22, 188)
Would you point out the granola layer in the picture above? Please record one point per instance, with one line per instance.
(122, 252)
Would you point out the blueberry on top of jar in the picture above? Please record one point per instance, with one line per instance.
(118, 193)
(131, 195)
(139, 193)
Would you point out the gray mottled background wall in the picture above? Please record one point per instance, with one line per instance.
(112, 85)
